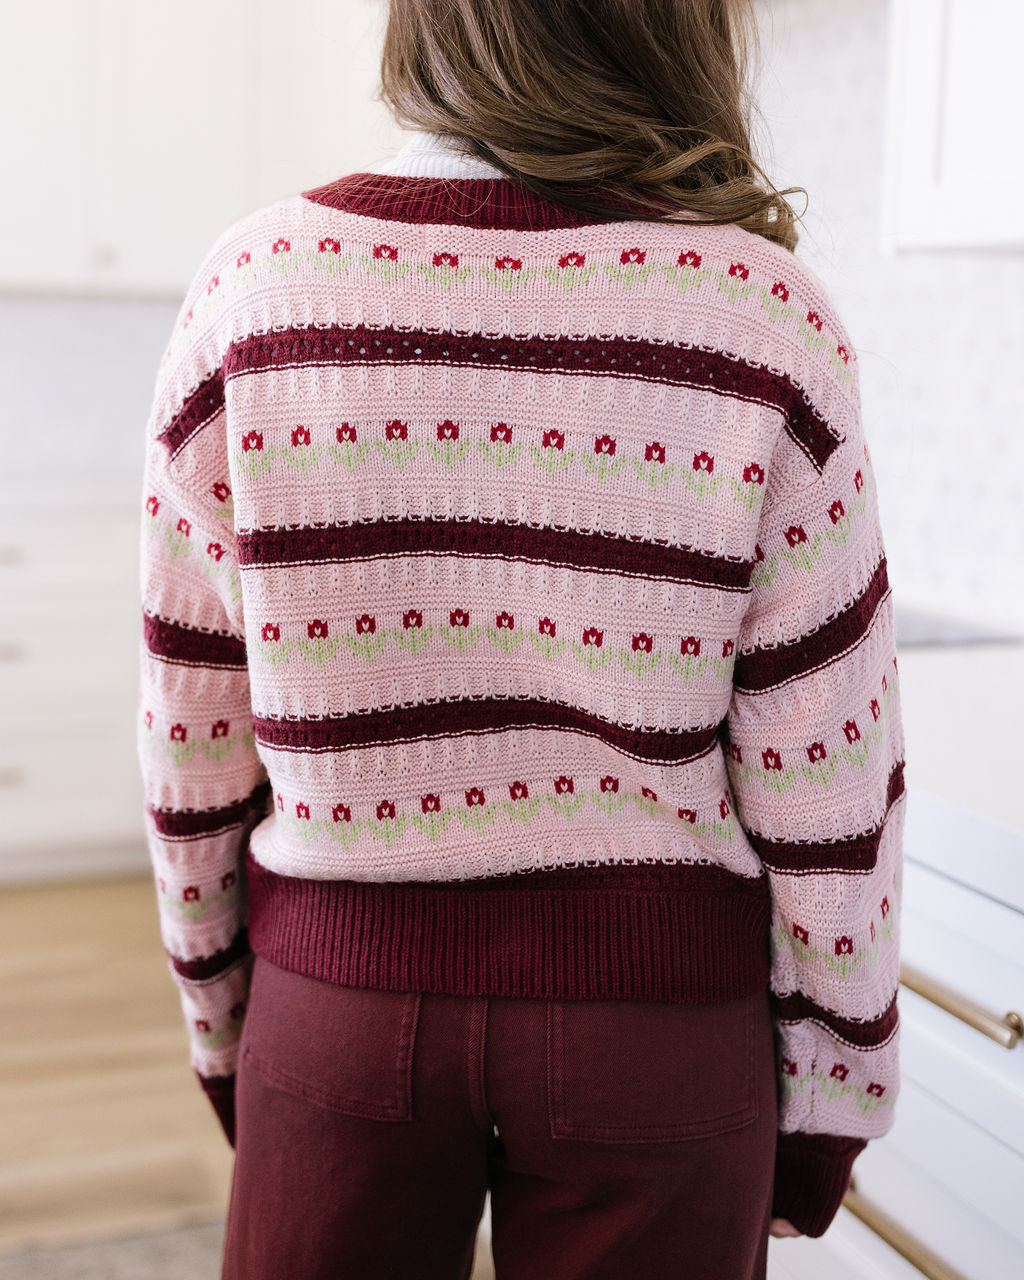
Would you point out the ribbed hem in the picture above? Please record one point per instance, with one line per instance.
(812, 1175)
(221, 1092)
(690, 933)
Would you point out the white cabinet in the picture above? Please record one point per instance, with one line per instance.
(147, 129)
(952, 175)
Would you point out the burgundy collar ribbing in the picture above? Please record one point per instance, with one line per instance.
(494, 204)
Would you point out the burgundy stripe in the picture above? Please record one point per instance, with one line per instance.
(200, 408)
(810, 857)
(683, 932)
(767, 668)
(493, 204)
(596, 552)
(456, 717)
(670, 362)
(195, 824)
(175, 642)
(870, 1033)
(210, 966)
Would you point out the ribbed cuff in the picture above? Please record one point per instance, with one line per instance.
(812, 1175)
(221, 1092)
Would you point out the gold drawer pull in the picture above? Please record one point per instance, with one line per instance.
(1006, 1030)
(898, 1237)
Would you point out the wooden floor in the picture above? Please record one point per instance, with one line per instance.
(103, 1126)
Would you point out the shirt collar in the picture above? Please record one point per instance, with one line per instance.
(435, 155)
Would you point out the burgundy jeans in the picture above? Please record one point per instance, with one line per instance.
(620, 1140)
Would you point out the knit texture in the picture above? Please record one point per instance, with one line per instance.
(516, 622)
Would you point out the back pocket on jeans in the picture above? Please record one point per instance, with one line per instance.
(348, 1049)
(650, 1071)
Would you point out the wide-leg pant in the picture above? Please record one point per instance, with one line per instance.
(620, 1140)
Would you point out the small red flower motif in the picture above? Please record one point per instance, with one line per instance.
(563, 784)
(301, 809)
(366, 623)
(385, 809)
(836, 511)
(690, 259)
(727, 648)
(654, 452)
(795, 533)
(282, 246)
(885, 906)
(604, 444)
(839, 1070)
(395, 430)
(858, 481)
(214, 550)
(474, 796)
(844, 946)
(505, 620)
(510, 264)
(738, 269)
(219, 728)
(202, 1024)
(875, 709)
(546, 627)
(152, 504)
(816, 751)
(447, 430)
(300, 435)
(643, 641)
(244, 260)
(875, 1088)
(190, 893)
(758, 553)
(518, 791)
(213, 284)
(412, 618)
(851, 731)
(609, 783)
(446, 259)
(252, 440)
(316, 628)
(430, 803)
(148, 717)
(789, 1066)
(572, 259)
(814, 320)
(736, 752)
(688, 815)
(345, 432)
(553, 440)
(184, 526)
(458, 618)
(221, 491)
(780, 291)
(703, 461)
(178, 733)
(771, 759)
(753, 474)
(632, 255)
(650, 795)
(801, 934)
(271, 631)
(329, 245)
(592, 636)
(341, 813)
(690, 644)
(501, 431)
(385, 251)
(843, 354)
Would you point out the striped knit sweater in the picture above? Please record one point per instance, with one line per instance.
(516, 622)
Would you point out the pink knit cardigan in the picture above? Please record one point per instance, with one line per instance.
(516, 622)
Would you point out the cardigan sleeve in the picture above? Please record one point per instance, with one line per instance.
(815, 757)
(205, 785)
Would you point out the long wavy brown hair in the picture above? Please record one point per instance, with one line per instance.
(592, 102)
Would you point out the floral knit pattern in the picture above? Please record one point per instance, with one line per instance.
(473, 554)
